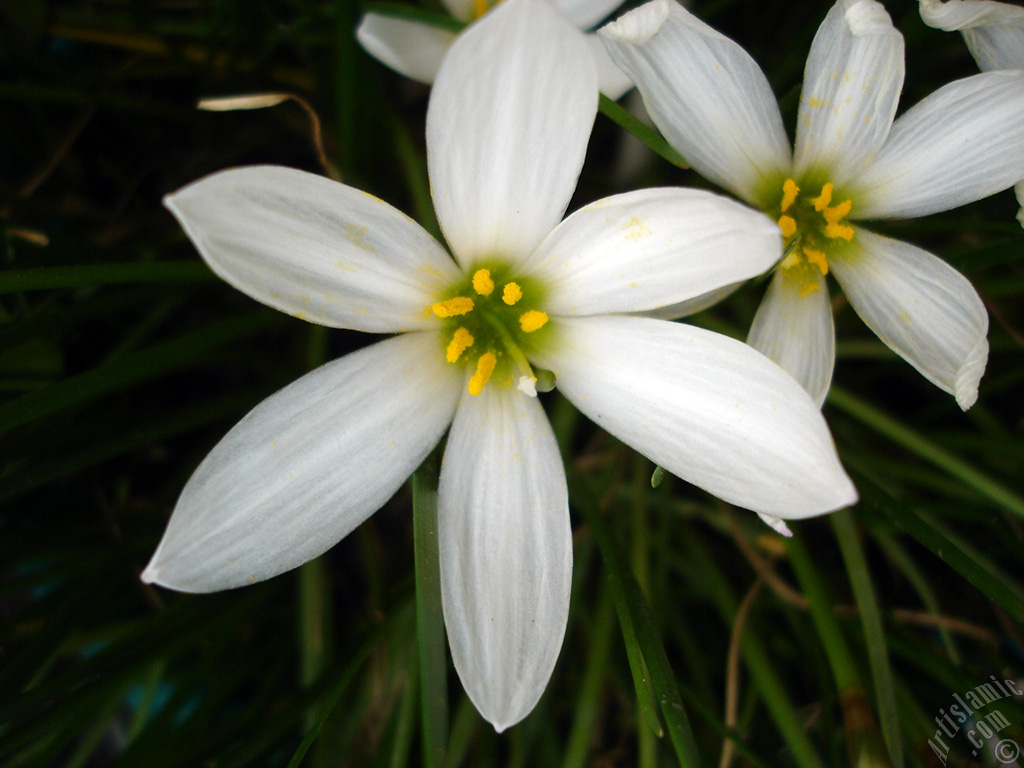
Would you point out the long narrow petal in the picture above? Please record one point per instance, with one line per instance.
(705, 407)
(962, 143)
(994, 32)
(409, 47)
(314, 248)
(652, 248)
(507, 128)
(308, 465)
(922, 308)
(793, 326)
(506, 551)
(851, 87)
(704, 92)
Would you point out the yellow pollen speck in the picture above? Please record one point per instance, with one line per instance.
(813, 102)
(461, 341)
(821, 202)
(790, 261)
(808, 288)
(511, 293)
(817, 258)
(460, 305)
(484, 369)
(482, 282)
(788, 226)
(533, 320)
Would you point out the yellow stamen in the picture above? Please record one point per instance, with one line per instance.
(817, 258)
(834, 214)
(533, 320)
(484, 369)
(788, 226)
(461, 341)
(511, 293)
(460, 305)
(479, 8)
(482, 282)
(821, 202)
(789, 192)
(839, 232)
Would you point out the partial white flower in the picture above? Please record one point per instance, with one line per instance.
(506, 136)
(416, 49)
(851, 161)
(994, 33)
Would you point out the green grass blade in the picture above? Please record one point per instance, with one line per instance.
(132, 369)
(649, 136)
(874, 633)
(50, 278)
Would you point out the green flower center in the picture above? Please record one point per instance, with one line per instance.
(811, 226)
(492, 323)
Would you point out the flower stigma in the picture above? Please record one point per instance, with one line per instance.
(811, 226)
(490, 331)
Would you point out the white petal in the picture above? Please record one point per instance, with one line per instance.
(315, 248)
(776, 524)
(851, 86)
(411, 48)
(308, 465)
(507, 128)
(793, 327)
(922, 308)
(994, 32)
(586, 13)
(612, 81)
(962, 143)
(506, 551)
(704, 92)
(651, 248)
(707, 408)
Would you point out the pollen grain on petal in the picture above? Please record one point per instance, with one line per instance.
(817, 258)
(511, 293)
(533, 320)
(461, 341)
(482, 282)
(484, 369)
(460, 305)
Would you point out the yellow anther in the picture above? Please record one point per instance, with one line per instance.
(533, 320)
(479, 8)
(836, 213)
(788, 226)
(789, 192)
(511, 293)
(461, 341)
(482, 282)
(484, 369)
(817, 258)
(839, 231)
(821, 202)
(460, 305)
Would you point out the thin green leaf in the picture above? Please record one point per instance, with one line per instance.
(51, 278)
(649, 136)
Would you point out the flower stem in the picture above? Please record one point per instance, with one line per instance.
(429, 619)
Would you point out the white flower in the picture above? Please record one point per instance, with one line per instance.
(415, 49)
(507, 128)
(994, 33)
(851, 161)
